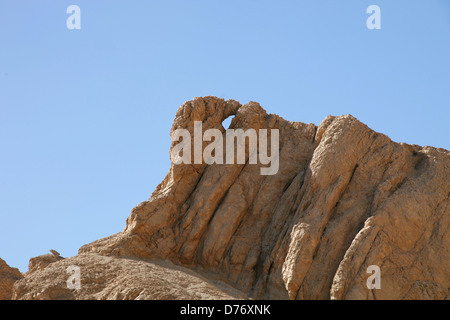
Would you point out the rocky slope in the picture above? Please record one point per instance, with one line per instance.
(344, 198)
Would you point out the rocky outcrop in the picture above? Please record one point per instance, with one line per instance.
(42, 261)
(110, 278)
(345, 198)
(8, 276)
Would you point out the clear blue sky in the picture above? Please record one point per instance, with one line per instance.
(85, 114)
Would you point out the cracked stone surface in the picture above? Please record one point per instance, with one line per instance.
(345, 197)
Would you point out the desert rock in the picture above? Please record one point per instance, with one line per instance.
(8, 276)
(345, 198)
(110, 278)
(42, 261)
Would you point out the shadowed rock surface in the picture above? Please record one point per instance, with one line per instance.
(8, 276)
(345, 197)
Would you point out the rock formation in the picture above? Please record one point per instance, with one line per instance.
(106, 278)
(8, 276)
(344, 198)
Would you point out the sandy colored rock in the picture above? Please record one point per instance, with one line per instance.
(345, 197)
(110, 278)
(8, 276)
(42, 261)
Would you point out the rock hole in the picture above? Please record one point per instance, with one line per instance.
(227, 122)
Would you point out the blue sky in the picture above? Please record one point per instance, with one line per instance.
(85, 114)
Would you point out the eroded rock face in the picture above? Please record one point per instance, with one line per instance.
(344, 198)
(42, 261)
(8, 276)
(111, 278)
